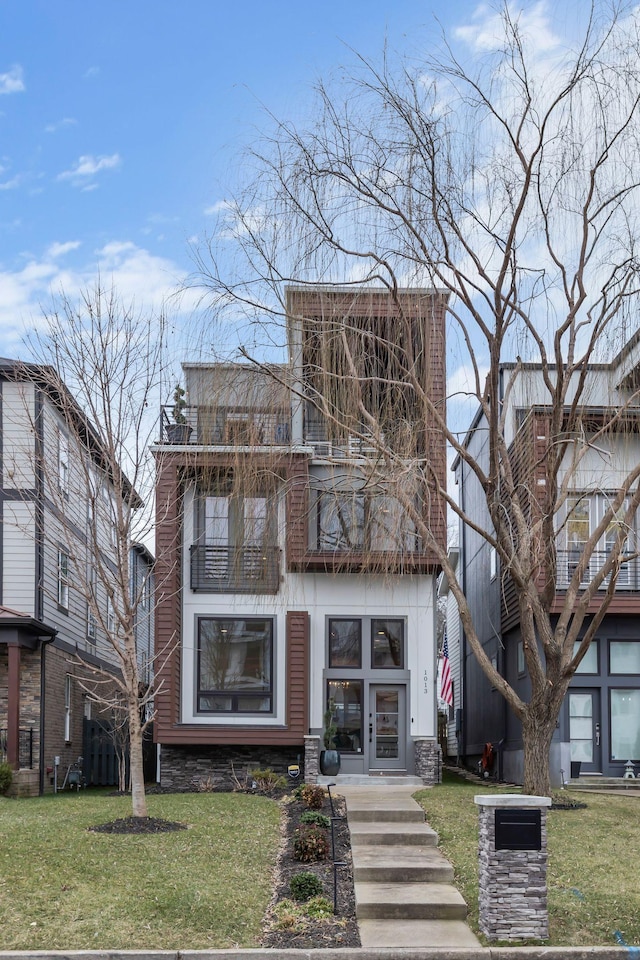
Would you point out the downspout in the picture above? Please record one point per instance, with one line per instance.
(41, 757)
(505, 706)
(462, 742)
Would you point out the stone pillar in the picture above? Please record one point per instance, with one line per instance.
(512, 894)
(13, 705)
(311, 759)
(428, 760)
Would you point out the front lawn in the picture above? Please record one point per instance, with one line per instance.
(593, 860)
(63, 887)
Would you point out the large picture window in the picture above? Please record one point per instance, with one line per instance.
(625, 725)
(347, 697)
(235, 665)
(624, 657)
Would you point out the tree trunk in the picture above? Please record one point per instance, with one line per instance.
(537, 732)
(138, 795)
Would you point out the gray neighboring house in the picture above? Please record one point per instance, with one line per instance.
(50, 636)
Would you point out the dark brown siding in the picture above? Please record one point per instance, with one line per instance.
(167, 616)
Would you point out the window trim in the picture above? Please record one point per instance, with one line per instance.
(403, 651)
(67, 708)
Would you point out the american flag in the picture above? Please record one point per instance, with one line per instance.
(446, 685)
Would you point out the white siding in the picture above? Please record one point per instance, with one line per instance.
(18, 435)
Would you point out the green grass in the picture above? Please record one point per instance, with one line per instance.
(63, 887)
(593, 860)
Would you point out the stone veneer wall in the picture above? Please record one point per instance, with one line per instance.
(428, 760)
(512, 894)
(222, 767)
(311, 759)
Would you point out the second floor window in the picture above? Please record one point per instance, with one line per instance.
(63, 579)
(584, 513)
(235, 520)
(355, 520)
(63, 463)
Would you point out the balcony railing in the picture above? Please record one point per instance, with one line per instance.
(567, 561)
(224, 569)
(225, 426)
(25, 747)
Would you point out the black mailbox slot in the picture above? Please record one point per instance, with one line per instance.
(518, 829)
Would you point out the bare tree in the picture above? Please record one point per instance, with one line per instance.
(100, 361)
(511, 183)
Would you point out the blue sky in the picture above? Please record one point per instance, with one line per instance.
(121, 125)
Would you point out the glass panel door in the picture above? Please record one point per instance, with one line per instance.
(387, 725)
(584, 729)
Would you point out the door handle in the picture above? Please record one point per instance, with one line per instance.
(370, 733)
(597, 734)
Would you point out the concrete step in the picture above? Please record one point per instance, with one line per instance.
(400, 864)
(416, 933)
(408, 901)
(384, 834)
(390, 812)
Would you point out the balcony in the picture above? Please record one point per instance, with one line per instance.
(224, 569)
(567, 561)
(226, 426)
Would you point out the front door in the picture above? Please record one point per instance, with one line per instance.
(584, 729)
(387, 727)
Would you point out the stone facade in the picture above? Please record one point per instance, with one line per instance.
(512, 894)
(223, 767)
(311, 759)
(428, 759)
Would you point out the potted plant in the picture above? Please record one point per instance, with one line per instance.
(329, 757)
(179, 431)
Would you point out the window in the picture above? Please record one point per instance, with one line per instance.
(341, 521)
(63, 463)
(578, 532)
(353, 520)
(345, 643)
(589, 663)
(625, 725)
(63, 580)
(111, 619)
(624, 656)
(493, 563)
(387, 644)
(347, 696)
(522, 666)
(234, 665)
(92, 622)
(67, 708)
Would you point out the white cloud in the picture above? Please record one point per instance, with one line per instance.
(87, 166)
(11, 184)
(486, 33)
(137, 275)
(60, 249)
(12, 82)
(60, 125)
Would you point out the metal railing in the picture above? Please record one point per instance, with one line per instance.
(25, 747)
(228, 569)
(224, 426)
(567, 561)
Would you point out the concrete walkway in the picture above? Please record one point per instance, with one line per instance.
(404, 886)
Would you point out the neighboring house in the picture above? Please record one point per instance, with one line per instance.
(50, 635)
(141, 575)
(291, 577)
(599, 724)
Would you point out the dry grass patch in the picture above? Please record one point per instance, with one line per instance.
(593, 870)
(63, 887)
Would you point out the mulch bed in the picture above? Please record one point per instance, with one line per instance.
(139, 825)
(339, 930)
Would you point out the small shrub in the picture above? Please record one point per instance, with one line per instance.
(319, 907)
(313, 796)
(310, 844)
(266, 781)
(316, 818)
(6, 777)
(287, 915)
(305, 885)
(204, 784)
